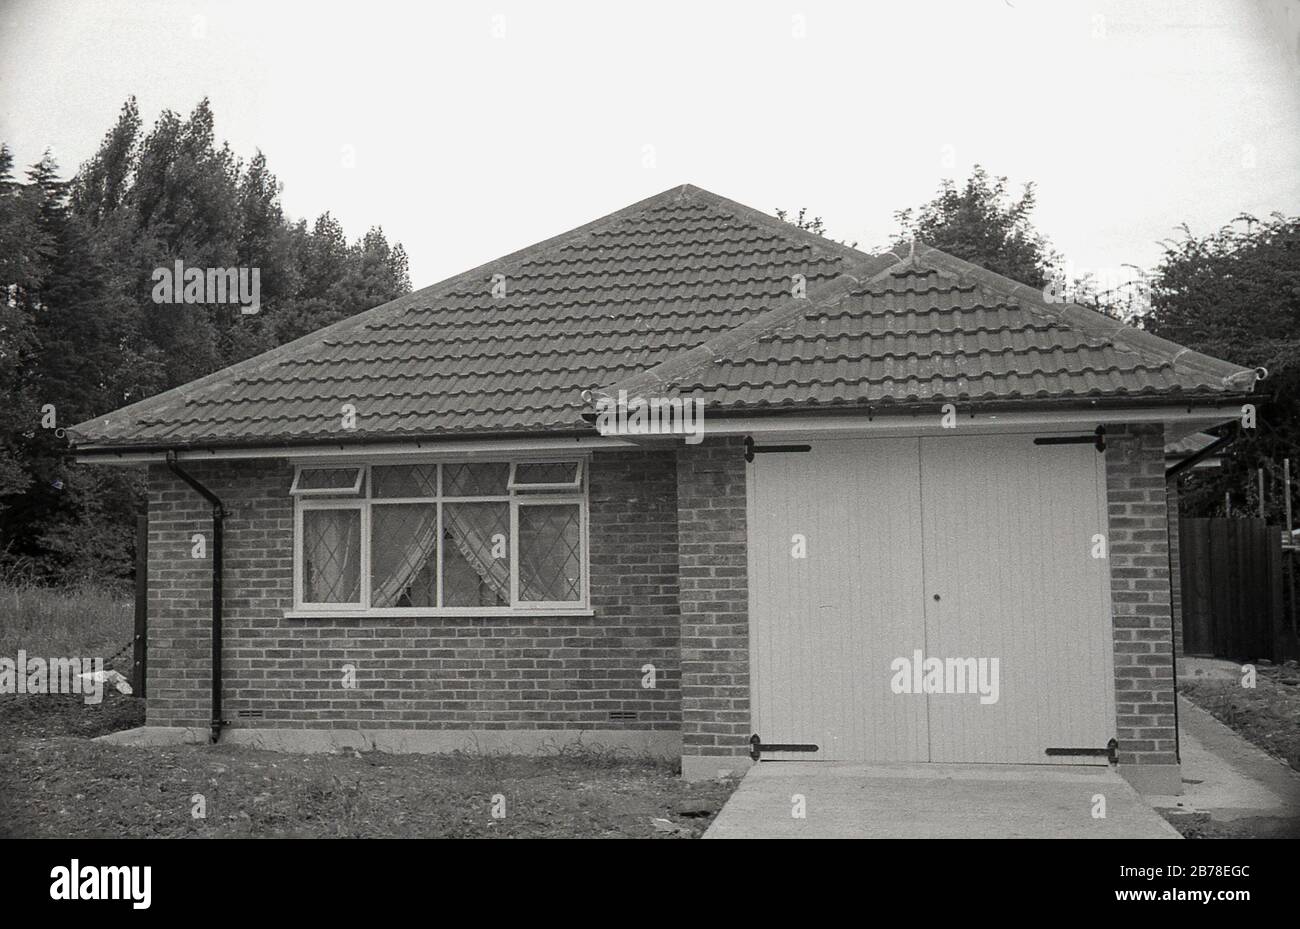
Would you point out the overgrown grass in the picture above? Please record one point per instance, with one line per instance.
(87, 621)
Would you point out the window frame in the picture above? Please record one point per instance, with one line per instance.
(301, 507)
(298, 491)
(573, 486)
(541, 499)
(364, 499)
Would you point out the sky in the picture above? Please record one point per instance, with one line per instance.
(470, 130)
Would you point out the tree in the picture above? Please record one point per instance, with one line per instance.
(61, 339)
(24, 250)
(339, 280)
(801, 221)
(101, 185)
(1235, 294)
(814, 225)
(81, 334)
(982, 223)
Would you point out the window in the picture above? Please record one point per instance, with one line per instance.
(326, 481)
(456, 537)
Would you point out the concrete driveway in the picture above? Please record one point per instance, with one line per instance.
(931, 801)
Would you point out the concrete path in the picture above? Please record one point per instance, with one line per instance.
(934, 801)
(1226, 776)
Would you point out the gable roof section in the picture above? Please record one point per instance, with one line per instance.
(683, 293)
(931, 328)
(587, 308)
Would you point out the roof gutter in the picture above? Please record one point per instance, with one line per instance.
(218, 519)
(434, 440)
(1136, 404)
(580, 434)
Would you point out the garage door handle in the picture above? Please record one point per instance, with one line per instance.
(936, 598)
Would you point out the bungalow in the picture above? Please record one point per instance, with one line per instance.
(419, 537)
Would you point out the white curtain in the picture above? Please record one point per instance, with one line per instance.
(398, 557)
(470, 526)
(333, 565)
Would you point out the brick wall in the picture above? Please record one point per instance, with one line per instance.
(714, 599)
(1140, 596)
(669, 588)
(418, 672)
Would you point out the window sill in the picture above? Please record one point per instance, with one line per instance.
(458, 613)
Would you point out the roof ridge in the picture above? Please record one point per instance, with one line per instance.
(778, 225)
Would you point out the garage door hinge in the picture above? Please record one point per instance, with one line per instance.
(756, 747)
(1111, 751)
(751, 449)
(1097, 439)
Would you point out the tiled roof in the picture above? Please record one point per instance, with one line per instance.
(686, 290)
(930, 329)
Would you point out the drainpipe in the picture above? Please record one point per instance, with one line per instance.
(1196, 458)
(218, 518)
(1169, 569)
(1171, 477)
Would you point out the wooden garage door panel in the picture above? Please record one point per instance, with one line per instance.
(824, 628)
(1008, 536)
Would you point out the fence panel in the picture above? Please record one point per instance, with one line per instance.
(1231, 575)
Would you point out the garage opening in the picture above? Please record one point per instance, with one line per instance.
(940, 599)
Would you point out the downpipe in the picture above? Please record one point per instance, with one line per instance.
(218, 519)
(1171, 477)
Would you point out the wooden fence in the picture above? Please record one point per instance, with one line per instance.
(1234, 599)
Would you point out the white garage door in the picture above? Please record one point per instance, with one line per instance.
(932, 599)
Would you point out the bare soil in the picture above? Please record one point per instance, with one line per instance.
(1267, 714)
(56, 782)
